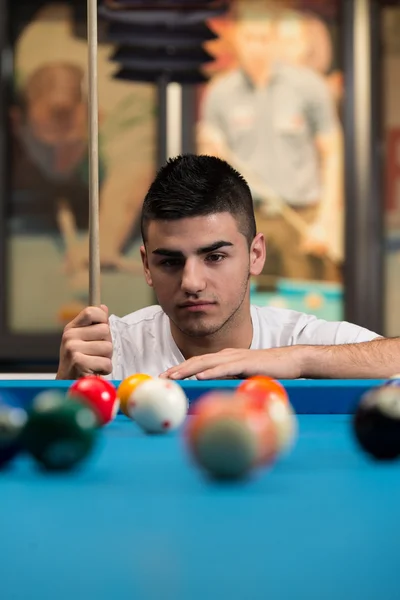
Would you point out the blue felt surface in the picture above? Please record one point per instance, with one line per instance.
(140, 523)
(307, 396)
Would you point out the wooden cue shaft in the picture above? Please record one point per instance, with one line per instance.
(94, 241)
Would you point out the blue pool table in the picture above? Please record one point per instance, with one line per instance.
(139, 522)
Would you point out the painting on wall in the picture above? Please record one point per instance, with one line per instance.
(272, 108)
(47, 207)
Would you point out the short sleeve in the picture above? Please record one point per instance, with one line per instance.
(319, 106)
(312, 331)
(212, 107)
(116, 357)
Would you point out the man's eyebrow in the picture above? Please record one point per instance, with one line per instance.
(203, 250)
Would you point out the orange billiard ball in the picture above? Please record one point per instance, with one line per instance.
(127, 388)
(268, 395)
(262, 388)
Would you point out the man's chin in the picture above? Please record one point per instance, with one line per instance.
(198, 330)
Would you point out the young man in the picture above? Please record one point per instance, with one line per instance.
(200, 248)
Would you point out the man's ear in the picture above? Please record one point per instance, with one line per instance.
(145, 262)
(257, 254)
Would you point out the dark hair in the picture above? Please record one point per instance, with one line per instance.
(193, 186)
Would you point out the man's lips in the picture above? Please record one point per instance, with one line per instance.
(194, 305)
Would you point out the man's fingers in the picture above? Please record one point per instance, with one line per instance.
(196, 365)
(93, 364)
(96, 348)
(88, 316)
(105, 308)
(99, 332)
(226, 371)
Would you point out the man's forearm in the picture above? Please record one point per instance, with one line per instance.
(377, 359)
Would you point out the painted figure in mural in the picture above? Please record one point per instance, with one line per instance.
(274, 118)
(51, 170)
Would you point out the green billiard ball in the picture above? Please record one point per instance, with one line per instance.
(60, 432)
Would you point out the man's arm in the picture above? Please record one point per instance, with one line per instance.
(121, 202)
(328, 138)
(377, 359)
(330, 149)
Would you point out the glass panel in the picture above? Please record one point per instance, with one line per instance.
(47, 211)
(272, 109)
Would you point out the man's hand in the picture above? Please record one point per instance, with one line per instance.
(280, 363)
(86, 345)
(77, 260)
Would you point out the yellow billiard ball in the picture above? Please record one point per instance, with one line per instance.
(127, 387)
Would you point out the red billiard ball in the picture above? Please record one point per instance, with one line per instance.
(99, 394)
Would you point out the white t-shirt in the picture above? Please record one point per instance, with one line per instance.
(143, 342)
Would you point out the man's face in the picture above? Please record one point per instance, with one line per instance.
(199, 268)
(253, 41)
(58, 120)
(53, 127)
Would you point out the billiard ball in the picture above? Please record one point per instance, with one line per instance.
(12, 422)
(286, 424)
(394, 380)
(158, 405)
(227, 439)
(261, 388)
(226, 448)
(219, 439)
(269, 395)
(376, 422)
(60, 432)
(127, 388)
(99, 394)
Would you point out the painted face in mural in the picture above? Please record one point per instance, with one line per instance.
(52, 122)
(254, 43)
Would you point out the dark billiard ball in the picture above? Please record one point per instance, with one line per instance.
(394, 380)
(60, 432)
(376, 422)
(12, 422)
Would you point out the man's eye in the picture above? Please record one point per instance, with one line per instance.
(171, 262)
(215, 257)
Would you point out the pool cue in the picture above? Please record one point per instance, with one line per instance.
(291, 216)
(94, 241)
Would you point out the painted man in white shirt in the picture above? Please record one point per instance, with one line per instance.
(275, 120)
(200, 249)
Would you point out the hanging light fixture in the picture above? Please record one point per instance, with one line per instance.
(162, 41)
(161, 38)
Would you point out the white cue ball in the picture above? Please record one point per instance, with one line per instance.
(285, 421)
(158, 405)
